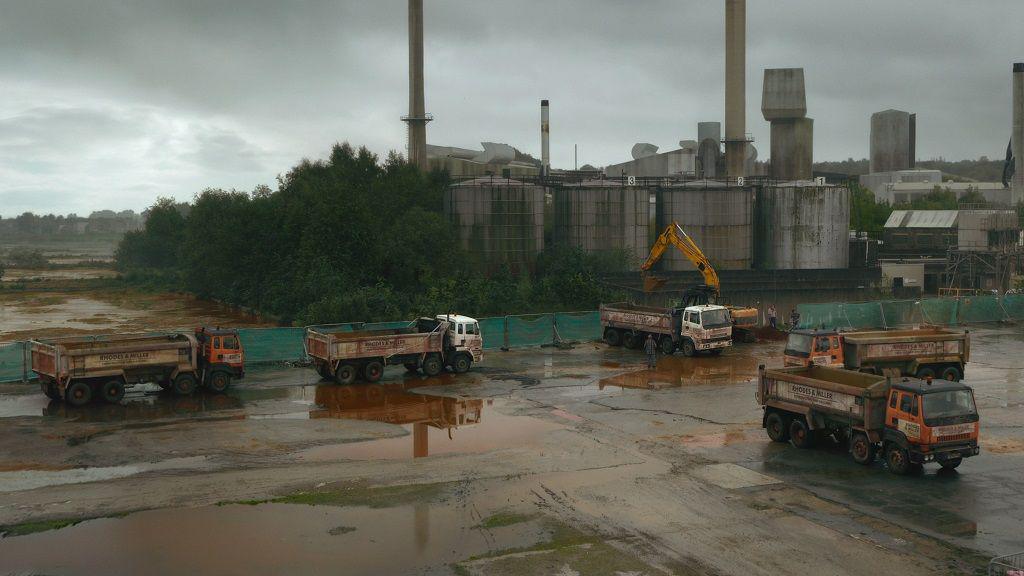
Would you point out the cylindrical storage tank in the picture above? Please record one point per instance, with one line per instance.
(719, 219)
(802, 227)
(603, 215)
(499, 220)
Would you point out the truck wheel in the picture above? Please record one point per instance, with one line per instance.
(667, 346)
(612, 337)
(862, 449)
(322, 370)
(50, 389)
(184, 384)
(219, 382)
(688, 349)
(432, 365)
(799, 434)
(373, 370)
(78, 394)
(925, 373)
(112, 392)
(345, 374)
(951, 463)
(461, 364)
(897, 459)
(952, 373)
(776, 427)
(632, 340)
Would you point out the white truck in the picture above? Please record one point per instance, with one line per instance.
(694, 329)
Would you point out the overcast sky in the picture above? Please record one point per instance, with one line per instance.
(112, 103)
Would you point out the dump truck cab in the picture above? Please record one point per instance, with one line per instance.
(221, 357)
(819, 347)
(929, 421)
(465, 335)
(707, 328)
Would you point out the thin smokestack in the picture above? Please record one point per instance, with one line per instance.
(1018, 129)
(545, 145)
(417, 118)
(735, 87)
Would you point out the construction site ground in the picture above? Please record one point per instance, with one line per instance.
(573, 461)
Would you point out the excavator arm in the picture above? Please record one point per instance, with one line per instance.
(674, 235)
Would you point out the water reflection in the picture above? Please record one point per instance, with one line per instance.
(145, 408)
(675, 372)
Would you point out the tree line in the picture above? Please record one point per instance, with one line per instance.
(349, 238)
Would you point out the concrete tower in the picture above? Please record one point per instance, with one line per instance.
(417, 119)
(545, 145)
(784, 104)
(1018, 129)
(735, 87)
(893, 141)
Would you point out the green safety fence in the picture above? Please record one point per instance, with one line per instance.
(539, 329)
(1014, 305)
(12, 361)
(888, 314)
(272, 344)
(580, 326)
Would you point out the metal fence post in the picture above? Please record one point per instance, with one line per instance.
(24, 362)
(505, 331)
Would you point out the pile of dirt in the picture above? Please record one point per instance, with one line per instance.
(769, 334)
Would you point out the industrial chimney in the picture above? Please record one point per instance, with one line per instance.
(545, 145)
(417, 119)
(1018, 129)
(735, 87)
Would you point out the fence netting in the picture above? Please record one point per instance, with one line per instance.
(12, 361)
(905, 313)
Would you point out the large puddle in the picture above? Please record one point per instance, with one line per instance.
(677, 371)
(413, 538)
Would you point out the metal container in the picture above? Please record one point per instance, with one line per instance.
(499, 220)
(718, 218)
(802, 227)
(603, 215)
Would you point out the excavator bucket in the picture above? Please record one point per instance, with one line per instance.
(653, 283)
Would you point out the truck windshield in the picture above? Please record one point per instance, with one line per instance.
(714, 318)
(799, 344)
(952, 403)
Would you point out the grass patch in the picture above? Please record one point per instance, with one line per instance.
(339, 530)
(505, 519)
(561, 537)
(357, 495)
(36, 526)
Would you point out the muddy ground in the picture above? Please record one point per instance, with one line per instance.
(539, 461)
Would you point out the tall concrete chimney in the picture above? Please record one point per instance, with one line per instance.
(735, 87)
(545, 145)
(1018, 129)
(417, 119)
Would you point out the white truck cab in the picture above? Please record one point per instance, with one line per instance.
(705, 328)
(465, 334)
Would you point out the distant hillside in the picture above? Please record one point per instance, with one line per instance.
(980, 170)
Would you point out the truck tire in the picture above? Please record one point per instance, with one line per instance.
(345, 374)
(78, 394)
(373, 370)
(800, 435)
(897, 459)
(219, 382)
(461, 364)
(112, 392)
(184, 384)
(322, 370)
(952, 373)
(667, 346)
(688, 348)
(777, 427)
(951, 463)
(412, 367)
(862, 449)
(926, 372)
(432, 365)
(632, 340)
(612, 337)
(50, 389)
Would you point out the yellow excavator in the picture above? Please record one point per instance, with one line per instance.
(744, 320)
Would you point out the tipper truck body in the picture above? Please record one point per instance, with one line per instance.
(923, 352)
(908, 420)
(693, 329)
(80, 368)
(427, 344)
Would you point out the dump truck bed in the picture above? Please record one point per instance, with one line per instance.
(927, 344)
(92, 356)
(855, 396)
(628, 316)
(332, 346)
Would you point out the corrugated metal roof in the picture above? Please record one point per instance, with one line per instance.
(923, 219)
(954, 186)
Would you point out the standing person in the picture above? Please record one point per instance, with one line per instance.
(651, 348)
(773, 317)
(794, 319)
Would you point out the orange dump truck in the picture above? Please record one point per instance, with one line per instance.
(78, 369)
(924, 352)
(908, 420)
